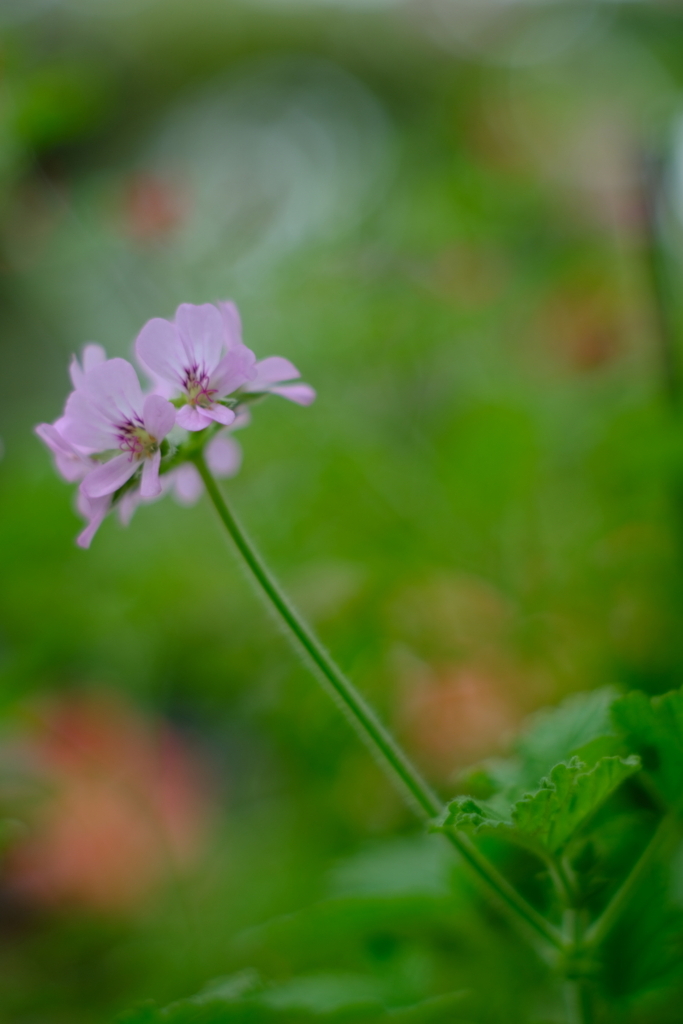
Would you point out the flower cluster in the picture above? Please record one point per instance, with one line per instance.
(127, 447)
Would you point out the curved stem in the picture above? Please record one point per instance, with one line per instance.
(600, 928)
(364, 719)
(361, 715)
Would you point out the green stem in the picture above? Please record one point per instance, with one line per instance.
(578, 1002)
(371, 730)
(600, 928)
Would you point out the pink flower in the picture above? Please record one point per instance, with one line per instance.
(202, 356)
(109, 412)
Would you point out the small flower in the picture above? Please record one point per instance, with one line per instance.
(109, 412)
(111, 435)
(202, 356)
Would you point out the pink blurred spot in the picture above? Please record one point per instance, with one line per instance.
(125, 807)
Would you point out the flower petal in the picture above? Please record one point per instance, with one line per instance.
(108, 477)
(93, 355)
(50, 436)
(94, 510)
(158, 415)
(190, 418)
(203, 335)
(220, 414)
(234, 370)
(223, 456)
(109, 396)
(150, 485)
(159, 348)
(127, 505)
(187, 484)
(302, 394)
(71, 464)
(232, 323)
(272, 370)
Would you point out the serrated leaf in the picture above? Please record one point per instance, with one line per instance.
(554, 735)
(547, 819)
(581, 723)
(555, 812)
(653, 726)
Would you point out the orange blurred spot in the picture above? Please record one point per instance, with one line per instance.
(152, 207)
(582, 326)
(456, 716)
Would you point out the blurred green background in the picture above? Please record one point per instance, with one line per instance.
(460, 220)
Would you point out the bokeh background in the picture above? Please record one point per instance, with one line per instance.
(461, 219)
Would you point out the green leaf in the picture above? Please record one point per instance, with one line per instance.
(556, 734)
(653, 726)
(334, 997)
(546, 820)
(579, 725)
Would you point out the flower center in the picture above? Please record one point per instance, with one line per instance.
(138, 441)
(198, 391)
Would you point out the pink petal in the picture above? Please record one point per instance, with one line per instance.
(242, 417)
(150, 485)
(232, 324)
(71, 464)
(109, 396)
(71, 468)
(234, 370)
(223, 456)
(203, 334)
(272, 370)
(158, 416)
(108, 477)
(93, 355)
(190, 418)
(160, 349)
(302, 394)
(127, 505)
(220, 414)
(94, 510)
(48, 433)
(187, 484)
(85, 426)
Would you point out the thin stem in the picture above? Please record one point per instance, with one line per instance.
(359, 712)
(600, 928)
(578, 1002)
(655, 258)
(505, 892)
(363, 718)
